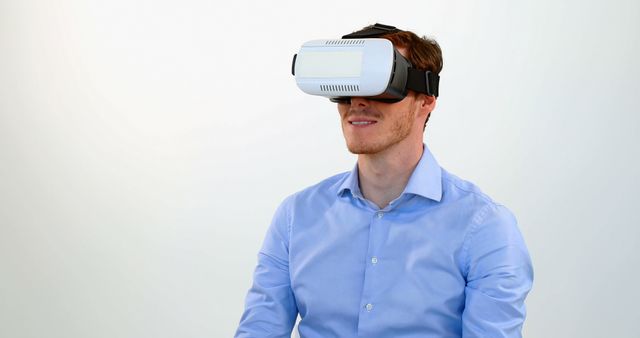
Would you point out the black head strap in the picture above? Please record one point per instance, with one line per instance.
(423, 81)
(372, 32)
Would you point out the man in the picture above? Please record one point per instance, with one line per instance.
(398, 247)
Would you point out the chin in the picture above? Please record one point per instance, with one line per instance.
(364, 148)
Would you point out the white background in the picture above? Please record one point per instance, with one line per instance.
(144, 146)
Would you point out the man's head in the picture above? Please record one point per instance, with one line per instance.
(371, 126)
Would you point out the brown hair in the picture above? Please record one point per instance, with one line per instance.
(423, 53)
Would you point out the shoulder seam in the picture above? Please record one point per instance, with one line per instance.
(477, 220)
(479, 194)
(339, 177)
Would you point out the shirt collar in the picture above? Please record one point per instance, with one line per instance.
(350, 183)
(426, 179)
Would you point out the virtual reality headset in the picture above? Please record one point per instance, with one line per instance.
(360, 65)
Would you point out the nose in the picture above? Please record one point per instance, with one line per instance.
(359, 102)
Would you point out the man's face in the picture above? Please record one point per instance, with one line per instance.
(370, 127)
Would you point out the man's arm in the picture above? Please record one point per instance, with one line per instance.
(270, 307)
(499, 276)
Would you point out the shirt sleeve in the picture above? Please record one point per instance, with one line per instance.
(270, 307)
(499, 276)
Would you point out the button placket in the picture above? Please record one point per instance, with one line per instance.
(370, 275)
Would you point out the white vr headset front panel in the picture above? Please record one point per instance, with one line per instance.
(348, 67)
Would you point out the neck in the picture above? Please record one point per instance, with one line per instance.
(384, 175)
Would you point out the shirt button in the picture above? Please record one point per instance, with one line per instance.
(379, 214)
(374, 260)
(369, 307)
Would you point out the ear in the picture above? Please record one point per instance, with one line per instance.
(426, 104)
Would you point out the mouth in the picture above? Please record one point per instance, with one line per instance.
(362, 122)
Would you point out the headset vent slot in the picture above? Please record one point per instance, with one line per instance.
(342, 88)
(345, 42)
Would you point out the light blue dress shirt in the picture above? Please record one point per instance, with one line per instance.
(441, 260)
